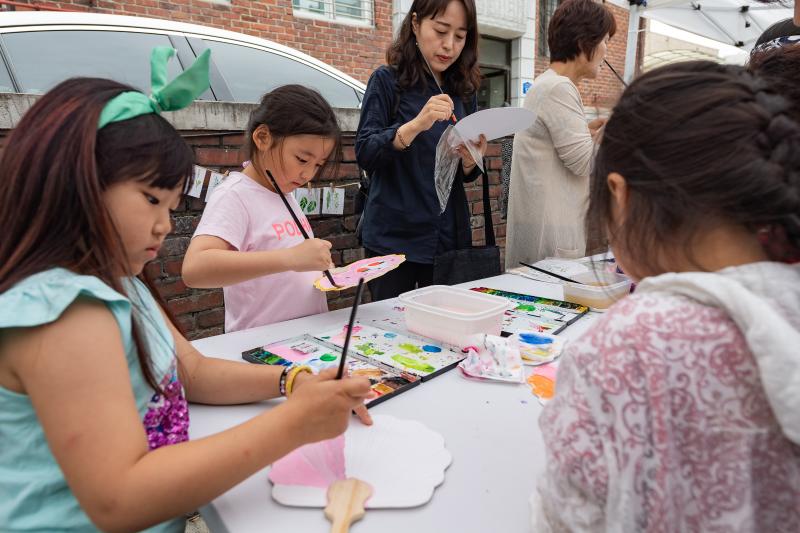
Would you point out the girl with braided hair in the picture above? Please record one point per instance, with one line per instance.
(680, 409)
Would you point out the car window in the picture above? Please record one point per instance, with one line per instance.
(250, 72)
(6, 86)
(42, 59)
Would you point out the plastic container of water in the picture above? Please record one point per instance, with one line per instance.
(598, 289)
(452, 314)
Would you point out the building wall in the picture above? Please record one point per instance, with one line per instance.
(600, 94)
(270, 19)
(359, 50)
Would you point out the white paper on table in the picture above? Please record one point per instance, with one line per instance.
(309, 200)
(198, 178)
(213, 182)
(332, 201)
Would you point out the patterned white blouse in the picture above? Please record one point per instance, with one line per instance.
(660, 422)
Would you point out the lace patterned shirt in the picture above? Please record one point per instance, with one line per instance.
(660, 422)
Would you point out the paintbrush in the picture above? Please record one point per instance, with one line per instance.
(350, 324)
(452, 115)
(297, 221)
(559, 276)
(615, 73)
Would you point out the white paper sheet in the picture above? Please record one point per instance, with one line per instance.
(213, 182)
(332, 201)
(309, 200)
(494, 123)
(198, 178)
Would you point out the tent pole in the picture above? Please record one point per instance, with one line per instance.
(633, 37)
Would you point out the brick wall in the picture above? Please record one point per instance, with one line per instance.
(200, 312)
(268, 19)
(602, 92)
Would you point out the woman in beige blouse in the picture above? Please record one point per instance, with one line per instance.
(551, 159)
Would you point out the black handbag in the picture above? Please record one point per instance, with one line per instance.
(476, 262)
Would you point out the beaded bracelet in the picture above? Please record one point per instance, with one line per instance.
(403, 142)
(282, 380)
(292, 375)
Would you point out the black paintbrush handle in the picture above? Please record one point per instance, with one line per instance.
(350, 325)
(296, 220)
(559, 276)
(615, 73)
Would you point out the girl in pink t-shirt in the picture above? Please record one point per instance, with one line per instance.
(247, 242)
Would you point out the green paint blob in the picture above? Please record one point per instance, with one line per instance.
(328, 357)
(368, 349)
(410, 348)
(413, 363)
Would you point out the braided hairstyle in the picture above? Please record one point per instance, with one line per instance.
(698, 143)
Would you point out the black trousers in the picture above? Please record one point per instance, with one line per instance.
(407, 277)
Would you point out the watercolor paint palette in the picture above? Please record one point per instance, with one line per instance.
(534, 313)
(404, 352)
(306, 350)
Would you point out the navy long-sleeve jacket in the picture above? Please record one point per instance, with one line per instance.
(401, 214)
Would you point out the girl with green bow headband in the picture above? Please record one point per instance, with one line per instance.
(94, 375)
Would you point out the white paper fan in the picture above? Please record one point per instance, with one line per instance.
(402, 460)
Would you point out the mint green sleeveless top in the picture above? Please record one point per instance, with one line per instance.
(34, 495)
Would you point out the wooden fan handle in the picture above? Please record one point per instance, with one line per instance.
(346, 498)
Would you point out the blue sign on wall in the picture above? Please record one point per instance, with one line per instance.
(525, 87)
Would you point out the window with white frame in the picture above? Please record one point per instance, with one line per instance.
(347, 11)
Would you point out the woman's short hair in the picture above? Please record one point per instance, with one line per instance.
(577, 27)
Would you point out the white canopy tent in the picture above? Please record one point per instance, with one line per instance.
(735, 22)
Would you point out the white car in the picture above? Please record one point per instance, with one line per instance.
(40, 49)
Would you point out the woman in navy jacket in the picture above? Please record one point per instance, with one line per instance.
(403, 115)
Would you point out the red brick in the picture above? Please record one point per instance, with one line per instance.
(171, 289)
(196, 302)
(152, 270)
(173, 266)
(203, 140)
(220, 157)
(202, 334)
(212, 318)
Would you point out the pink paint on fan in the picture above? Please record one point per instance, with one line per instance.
(314, 465)
(369, 268)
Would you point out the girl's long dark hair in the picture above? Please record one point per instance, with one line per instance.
(54, 169)
(697, 142)
(462, 77)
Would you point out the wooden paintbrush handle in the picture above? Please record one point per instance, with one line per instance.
(346, 498)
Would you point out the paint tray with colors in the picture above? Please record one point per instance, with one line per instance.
(534, 313)
(405, 352)
(319, 355)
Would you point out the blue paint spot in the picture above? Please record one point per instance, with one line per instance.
(431, 349)
(390, 335)
(533, 338)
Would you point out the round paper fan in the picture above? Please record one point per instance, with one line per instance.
(369, 268)
(402, 460)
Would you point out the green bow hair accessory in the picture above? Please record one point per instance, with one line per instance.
(179, 93)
